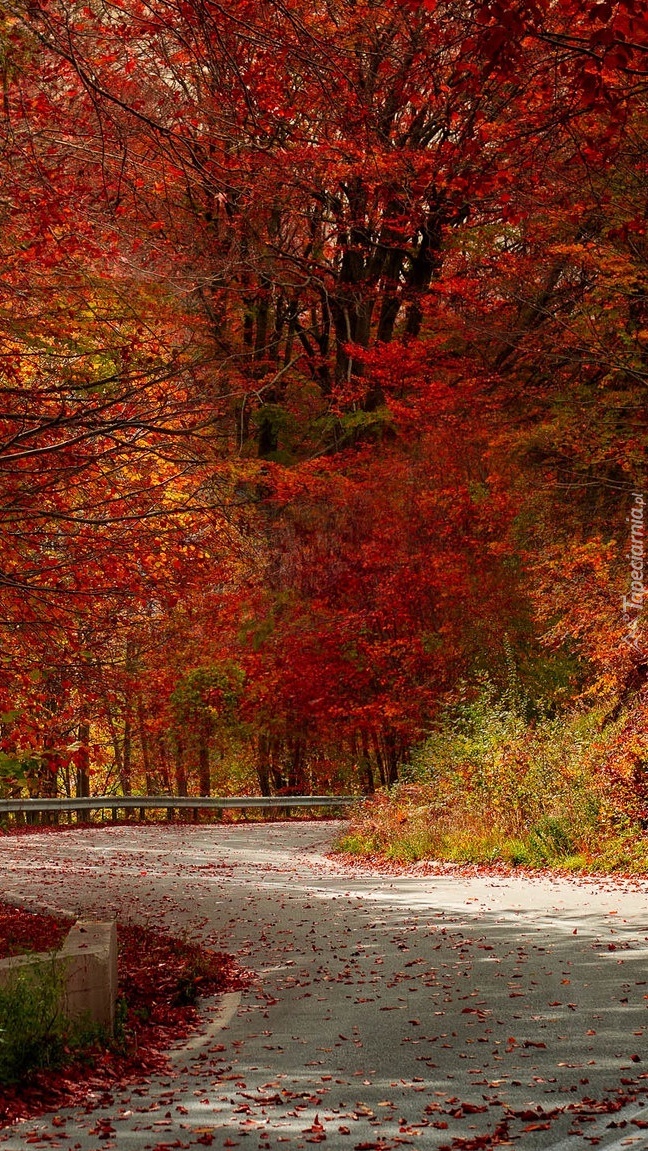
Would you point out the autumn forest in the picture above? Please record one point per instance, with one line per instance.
(324, 348)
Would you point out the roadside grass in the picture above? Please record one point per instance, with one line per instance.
(491, 786)
(35, 1035)
(393, 827)
(31, 1031)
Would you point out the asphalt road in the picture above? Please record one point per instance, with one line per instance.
(437, 1011)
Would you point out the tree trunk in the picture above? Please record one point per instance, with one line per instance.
(204, 779)
(366, 763)
(263, 766)
(127, 751)
(180, 771)
(83, 760)
(379, 759)
(145, 748)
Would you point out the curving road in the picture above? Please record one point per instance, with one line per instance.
(451, 1010)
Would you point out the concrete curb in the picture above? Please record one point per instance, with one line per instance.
(46, 908)
(226, 1007)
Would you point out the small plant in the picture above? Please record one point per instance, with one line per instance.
(192, 977)
(35, 1032)
(359, 844)
(516, 853)
(420, 843)
(550, 841)
(32, 1029)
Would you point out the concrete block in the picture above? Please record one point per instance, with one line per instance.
(90, 956)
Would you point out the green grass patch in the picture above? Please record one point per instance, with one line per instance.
(34, 1032)
(616, 854)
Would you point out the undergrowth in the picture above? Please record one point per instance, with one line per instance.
(490, 785)
(35, 1034)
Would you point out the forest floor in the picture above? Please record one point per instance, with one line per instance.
(462, 1008)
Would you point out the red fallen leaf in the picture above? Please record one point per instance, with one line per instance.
(530, 1043)
(537, 1127)
(207, 1139)
(103, 1129)
(265, 1100)
(344, 1130)
(230, 1143)
(473, 1108)
(317, 1129)
(636, 1058)
(639, 1123)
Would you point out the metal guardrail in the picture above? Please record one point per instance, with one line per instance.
(197, 802)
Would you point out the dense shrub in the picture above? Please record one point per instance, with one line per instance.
(33, 1032)
(490, 784)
